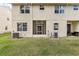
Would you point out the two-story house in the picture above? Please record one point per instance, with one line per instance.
(45, 19)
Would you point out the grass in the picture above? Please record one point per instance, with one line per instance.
(37, 46)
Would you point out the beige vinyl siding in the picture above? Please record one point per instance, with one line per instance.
(46, 14)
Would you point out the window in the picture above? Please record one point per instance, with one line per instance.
(8, 19)
(75, 7)
(59, 9)
(6, 28)
(41, 7)
(24, 9)
(55, 26)
(21, 26)
(39, 27)
(27, 10)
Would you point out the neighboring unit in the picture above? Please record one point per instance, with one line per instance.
(5, 19)
(45, 19)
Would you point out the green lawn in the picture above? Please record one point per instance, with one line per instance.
(37, 46)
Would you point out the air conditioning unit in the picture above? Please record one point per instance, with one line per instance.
(15, 35)
(55, 34)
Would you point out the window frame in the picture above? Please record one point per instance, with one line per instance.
(22, 28)
(75, 7)
(56, 26)
(59, 9)
(24, 9)
(42, 7)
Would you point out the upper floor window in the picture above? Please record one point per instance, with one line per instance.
(21, 26)
(41, 7)
(75, 7)
(24, 9)
(59, 9)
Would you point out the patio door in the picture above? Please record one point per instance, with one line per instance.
(68, 29)
(39, 27)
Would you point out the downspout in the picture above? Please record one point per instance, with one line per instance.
(12, 22)
(32, 19)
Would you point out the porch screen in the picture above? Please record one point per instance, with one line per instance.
(39, 27)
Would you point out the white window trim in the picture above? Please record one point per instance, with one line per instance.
(75, 6)
(22, 26)
(24, 8)
(59, 9)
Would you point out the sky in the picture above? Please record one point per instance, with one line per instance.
(39, 1)
(3, 2)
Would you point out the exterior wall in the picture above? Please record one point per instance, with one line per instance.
(5, 13)
(18, 17)
(71, 14)
(48, 15)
